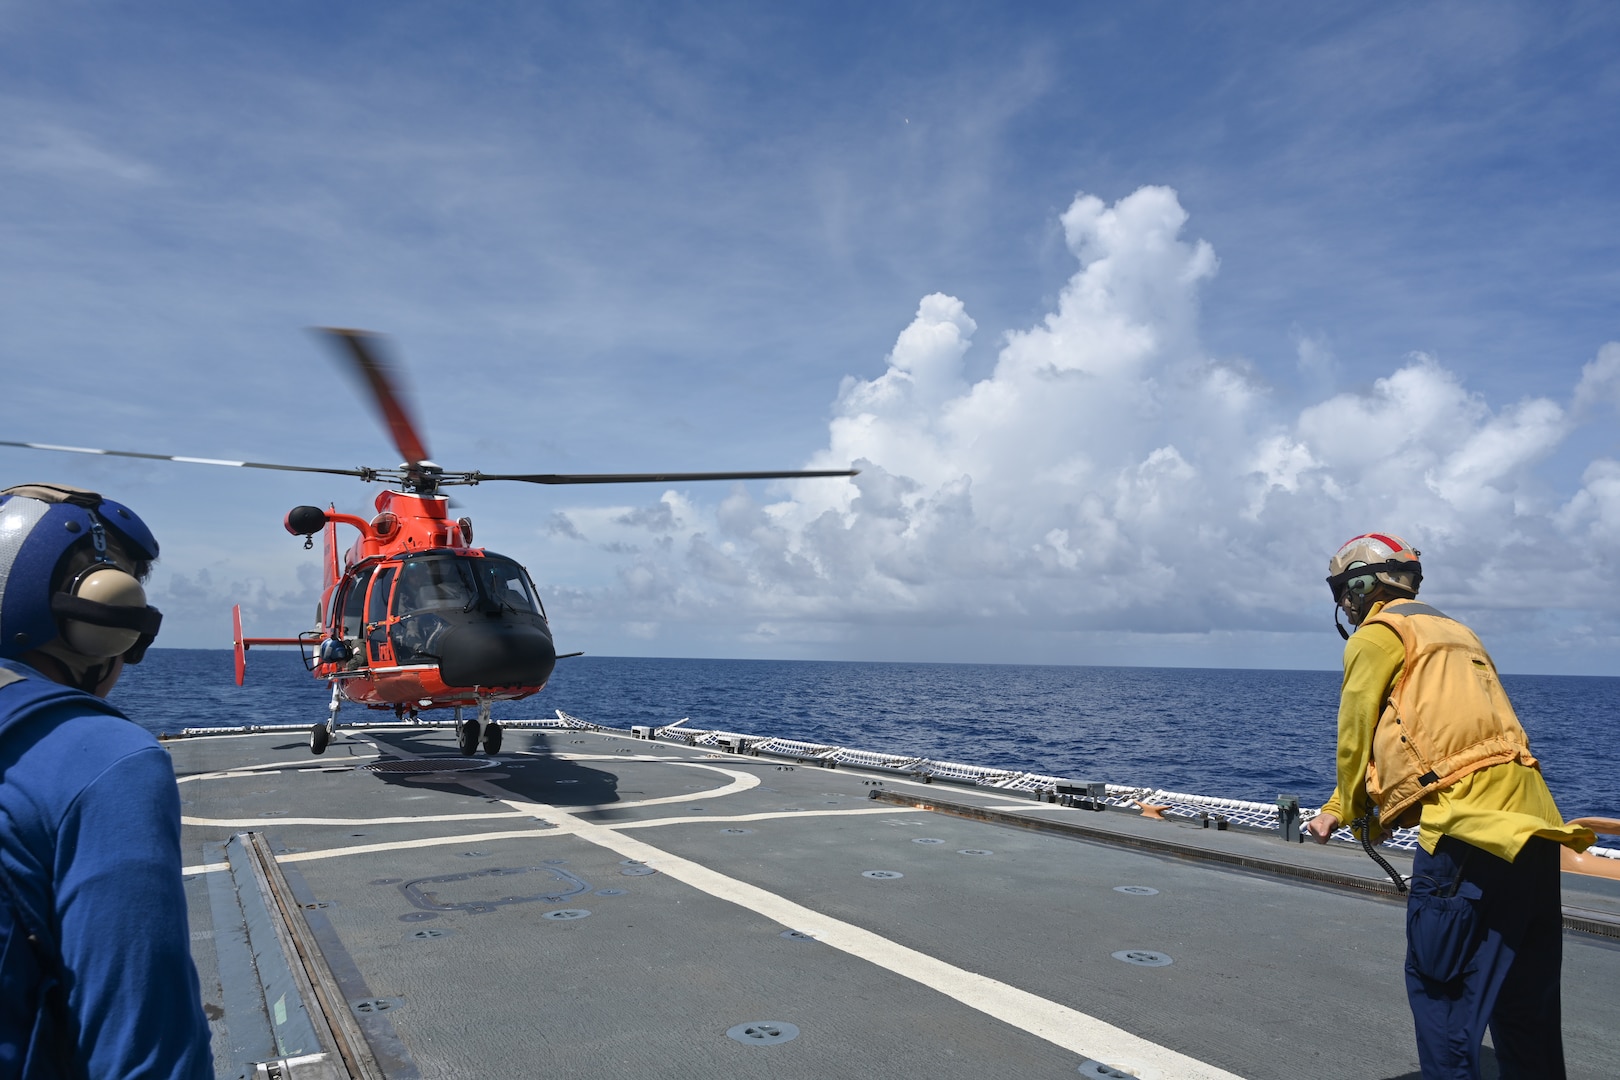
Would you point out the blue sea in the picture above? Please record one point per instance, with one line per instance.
(1228, 733)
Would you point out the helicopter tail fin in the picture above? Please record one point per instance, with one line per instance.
(243, 644)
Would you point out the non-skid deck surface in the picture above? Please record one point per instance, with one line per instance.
(593, 906)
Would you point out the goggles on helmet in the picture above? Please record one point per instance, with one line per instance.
(1342, 581)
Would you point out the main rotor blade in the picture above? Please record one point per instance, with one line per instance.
(360, 346)
(364, 474)
(652, 478)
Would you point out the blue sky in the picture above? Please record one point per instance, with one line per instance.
(1133, 312)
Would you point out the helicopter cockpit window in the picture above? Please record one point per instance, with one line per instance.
(432, 591)
(434, 584)
(354, 604)
(508, 585)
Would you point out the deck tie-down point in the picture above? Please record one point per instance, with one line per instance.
(763, 1033)
(1143, 957)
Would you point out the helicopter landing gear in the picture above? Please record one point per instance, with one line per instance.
(467, 734)
(492, 738)
(321, 734)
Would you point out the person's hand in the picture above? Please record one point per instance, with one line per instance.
(1322, 826)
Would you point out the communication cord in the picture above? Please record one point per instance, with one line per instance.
(1364, 823)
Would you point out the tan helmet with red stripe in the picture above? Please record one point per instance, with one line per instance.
(1368, 564)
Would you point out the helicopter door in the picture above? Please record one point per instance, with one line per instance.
(351, 610)
(378, 649)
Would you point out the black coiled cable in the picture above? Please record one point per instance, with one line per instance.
(1364, 823)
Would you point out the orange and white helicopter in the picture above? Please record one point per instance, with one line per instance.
(413, 616)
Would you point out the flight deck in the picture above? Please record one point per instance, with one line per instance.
(596, 905)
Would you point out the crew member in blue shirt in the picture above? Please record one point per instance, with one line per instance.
(96, 976)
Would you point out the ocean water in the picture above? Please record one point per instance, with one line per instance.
(1229, 733)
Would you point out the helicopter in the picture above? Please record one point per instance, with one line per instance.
(412, 616)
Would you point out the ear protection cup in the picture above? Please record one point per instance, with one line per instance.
(1361, 586)
(108, 585)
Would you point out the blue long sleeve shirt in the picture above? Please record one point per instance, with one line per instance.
(90, 835)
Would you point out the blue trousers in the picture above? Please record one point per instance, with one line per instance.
(1484, 945)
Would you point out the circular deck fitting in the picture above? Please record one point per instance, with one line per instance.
(611, 892)
(1137, 890)
(419, 916)
(882, 875)
(736, 832)
(397, 766)
(1143, 957)
(798, 935)
(387, 881)
(974, 851)
(552, 862)
(1090, 1068)
(637, 871)
(565, 914)
(927, 840)
(763, 1033)
(430, 932)
(473, 854)
(367, 1006)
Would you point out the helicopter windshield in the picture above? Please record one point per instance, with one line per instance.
(507, 584)
(435, 583)
(433, 591)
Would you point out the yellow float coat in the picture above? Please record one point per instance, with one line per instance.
(1497, 806)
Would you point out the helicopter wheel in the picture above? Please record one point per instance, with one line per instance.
(467, 737)
(492, 738)
(318, 738)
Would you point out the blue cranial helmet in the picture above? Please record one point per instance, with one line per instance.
(39, 524)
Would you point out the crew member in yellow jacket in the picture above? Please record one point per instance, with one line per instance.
(1427, 737)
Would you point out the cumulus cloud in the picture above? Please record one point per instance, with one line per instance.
(1109, 474)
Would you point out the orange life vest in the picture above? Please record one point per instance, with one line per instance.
(1447, 715)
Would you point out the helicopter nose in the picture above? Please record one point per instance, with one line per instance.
(496, 654)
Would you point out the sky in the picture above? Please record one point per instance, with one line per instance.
(1130, 315)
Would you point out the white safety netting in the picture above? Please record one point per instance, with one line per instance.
(1170, 804)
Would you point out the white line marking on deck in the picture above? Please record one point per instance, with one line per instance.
(269, 768)
(259, 822)
(551, 830)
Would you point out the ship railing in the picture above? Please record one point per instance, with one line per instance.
(1171, 804)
